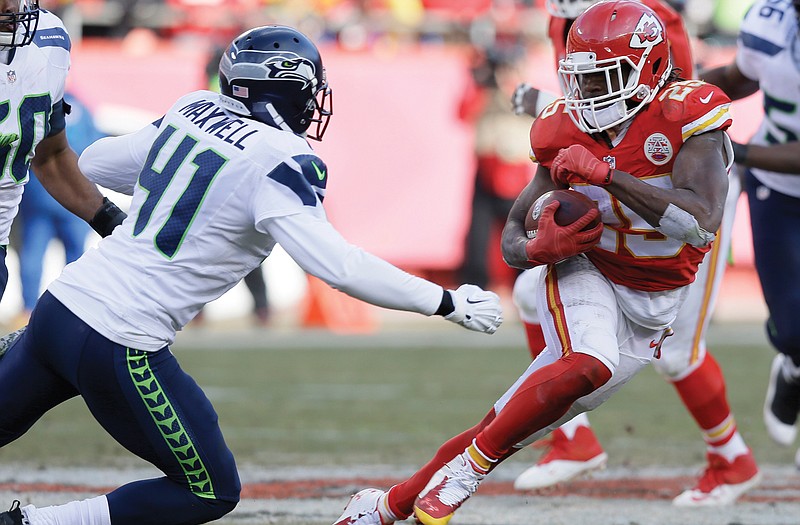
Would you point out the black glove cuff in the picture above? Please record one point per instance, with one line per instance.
(107, 218)
(739, 153)
(446, 307)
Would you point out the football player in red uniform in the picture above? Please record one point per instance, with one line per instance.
(573, 449)
(652, 151)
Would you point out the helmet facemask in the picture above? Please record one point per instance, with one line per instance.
(17, 29)
(622, 98)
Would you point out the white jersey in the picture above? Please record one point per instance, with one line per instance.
(769, 52)
(31, 87)
(212, 194)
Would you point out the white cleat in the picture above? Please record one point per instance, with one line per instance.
(722, 482)
(565, 460)
(557, 471)
(362, 509)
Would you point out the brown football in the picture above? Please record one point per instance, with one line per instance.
(574, 205)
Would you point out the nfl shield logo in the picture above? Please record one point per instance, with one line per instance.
(12, 76)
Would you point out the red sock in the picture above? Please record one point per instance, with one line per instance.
(401, 497)
(703, 393)
(535, 336)
(543, 397)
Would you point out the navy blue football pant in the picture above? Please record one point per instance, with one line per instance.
(3, 271)
(143, 399)
(775, 219)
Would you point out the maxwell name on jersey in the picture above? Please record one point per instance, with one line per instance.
(209, 117)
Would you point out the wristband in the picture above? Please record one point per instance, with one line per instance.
(446, 307)
(108, 217)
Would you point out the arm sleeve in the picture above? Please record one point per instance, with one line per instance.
(115, 162)
(322, 251)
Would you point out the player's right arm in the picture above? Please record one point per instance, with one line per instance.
(115, 162)
(321, 251)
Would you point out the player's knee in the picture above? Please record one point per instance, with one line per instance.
(588, 372)
(215, 509)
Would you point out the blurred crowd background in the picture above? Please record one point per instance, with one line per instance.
(401, 152)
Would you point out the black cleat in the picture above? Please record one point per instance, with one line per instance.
(12, 516)
(782, 404)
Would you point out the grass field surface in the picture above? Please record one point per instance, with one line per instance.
(339, 412)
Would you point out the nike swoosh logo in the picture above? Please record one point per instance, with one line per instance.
(320, 173)
(476, 302)
(706, 98)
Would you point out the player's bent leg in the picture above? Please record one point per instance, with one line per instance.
(776, 246)
(538, 401)
(400, 498)
(572, 450)
(155, 410)
(731, 469)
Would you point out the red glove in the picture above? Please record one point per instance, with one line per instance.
(554, 243)
(577, 164)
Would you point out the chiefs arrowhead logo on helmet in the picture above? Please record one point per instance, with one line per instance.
(648, 32)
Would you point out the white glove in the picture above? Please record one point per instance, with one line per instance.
(518, 97)
(476, 309)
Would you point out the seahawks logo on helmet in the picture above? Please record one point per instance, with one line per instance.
(291, 66)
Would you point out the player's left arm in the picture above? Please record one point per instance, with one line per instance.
(514, 239)
(690, 211)
(56, 166)
(780, 158)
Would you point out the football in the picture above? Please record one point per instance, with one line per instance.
(574, 205)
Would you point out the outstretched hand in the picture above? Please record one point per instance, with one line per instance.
(554, 243)
(476, 309)
(576, 164)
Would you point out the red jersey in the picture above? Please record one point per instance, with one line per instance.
(631, 252)
(679, 44)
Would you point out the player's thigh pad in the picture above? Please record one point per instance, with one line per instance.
(578, 311)
(524, 294)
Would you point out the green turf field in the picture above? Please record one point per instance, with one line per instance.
(307, 403)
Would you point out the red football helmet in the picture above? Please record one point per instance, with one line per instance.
(617, 60)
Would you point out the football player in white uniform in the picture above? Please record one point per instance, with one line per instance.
(34, 61)
(216, 183)
(768, 58)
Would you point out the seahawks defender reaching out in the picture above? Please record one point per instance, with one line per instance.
(216, 183)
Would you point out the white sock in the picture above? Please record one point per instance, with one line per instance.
(93, 511)
(384, 510)
(732, 449)
(570, 427)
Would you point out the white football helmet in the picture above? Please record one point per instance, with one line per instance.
(624, 43)
(568, 8)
